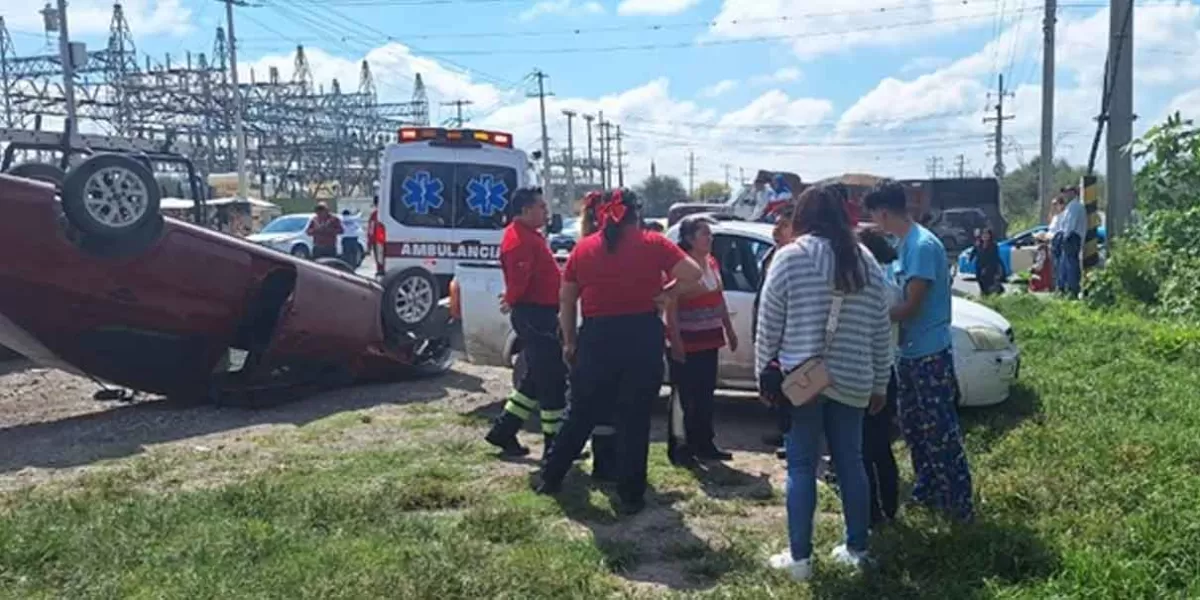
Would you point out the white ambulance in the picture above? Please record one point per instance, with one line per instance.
(443, 194)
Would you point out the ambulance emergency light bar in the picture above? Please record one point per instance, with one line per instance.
(441, 135)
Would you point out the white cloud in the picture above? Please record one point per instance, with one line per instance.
(784, 75)
(562, 8)
(815, 29)
(719, 88)
(924, 63)
(394, 67)
(1167, 37)
(654, 7)
(91, 17)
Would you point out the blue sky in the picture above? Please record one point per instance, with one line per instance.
(815, 87)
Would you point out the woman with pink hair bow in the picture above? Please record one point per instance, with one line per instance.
(615, 275)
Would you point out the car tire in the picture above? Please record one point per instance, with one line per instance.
(44, 172)
(96, 196)
(336, 264)
(409, 299)
(136, 242)
(301, 251)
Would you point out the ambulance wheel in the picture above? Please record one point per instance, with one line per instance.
(43, 172)
(110, 196)
(409, 299)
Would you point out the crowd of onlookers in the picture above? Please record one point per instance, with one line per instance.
(1058, 260)
(852, 337)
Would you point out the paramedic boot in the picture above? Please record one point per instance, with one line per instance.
(504, 435)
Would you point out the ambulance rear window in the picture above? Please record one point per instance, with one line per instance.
(451, 195)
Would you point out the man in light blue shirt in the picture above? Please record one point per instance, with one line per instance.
(1073, 224)
(927, 387)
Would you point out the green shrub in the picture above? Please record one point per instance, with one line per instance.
(1155, 267)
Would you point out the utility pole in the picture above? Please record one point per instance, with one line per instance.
(691, 172)
(962, 166)
(742, 176)
(57, 18)
(603, 159)
(591, 166)
(999, 119)
(1119, 173)
(459, 104)
(547, 181)
(620, 161)
(1046, 168)
(727, 166)
(606, 151)
(571, 197)
(238, 128)
(934, 166)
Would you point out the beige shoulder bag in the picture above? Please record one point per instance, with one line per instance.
(805, 382)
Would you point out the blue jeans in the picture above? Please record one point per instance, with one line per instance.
(842, 426)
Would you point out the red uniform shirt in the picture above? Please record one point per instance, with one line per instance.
(531, 274)
(624, 282)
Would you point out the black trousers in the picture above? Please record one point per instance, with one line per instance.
(883, 477)
(544, 383)
(618, 371)
(690, 418)
(324, 252)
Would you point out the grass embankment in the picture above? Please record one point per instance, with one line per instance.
(1088, 483)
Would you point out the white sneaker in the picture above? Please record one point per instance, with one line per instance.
(849, 558)
(800, 570)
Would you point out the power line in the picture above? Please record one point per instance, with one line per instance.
(711, 23)
(458, 119)
(357, 26)
(703, 43)
(816, 125)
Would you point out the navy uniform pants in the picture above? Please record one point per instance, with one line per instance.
(617, 375)
(543, 386)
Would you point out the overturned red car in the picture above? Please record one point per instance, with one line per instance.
(97, 282)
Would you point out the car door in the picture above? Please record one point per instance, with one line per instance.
(739, 258)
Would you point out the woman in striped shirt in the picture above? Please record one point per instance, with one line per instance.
(698, 326)
(826, 263)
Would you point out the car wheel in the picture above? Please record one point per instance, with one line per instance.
(335, 263)
(44, 172)
(300, 251)
(409, 297)
(110, 196)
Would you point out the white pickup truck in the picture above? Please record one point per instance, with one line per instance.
(985, 354)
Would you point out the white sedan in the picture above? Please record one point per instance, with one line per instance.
(985, 354)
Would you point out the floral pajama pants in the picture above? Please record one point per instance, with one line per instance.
(927, 390)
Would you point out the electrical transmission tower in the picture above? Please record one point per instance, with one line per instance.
(303, 139)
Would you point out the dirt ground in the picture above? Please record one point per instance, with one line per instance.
(52, 429)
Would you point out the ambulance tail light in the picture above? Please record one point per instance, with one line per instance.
(454, 137)
(455, 301)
